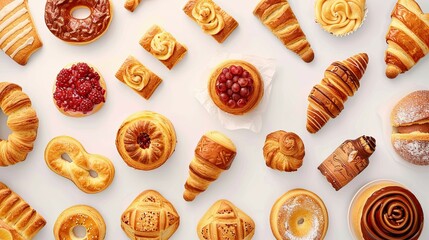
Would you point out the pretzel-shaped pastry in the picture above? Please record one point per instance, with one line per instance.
(78, 171)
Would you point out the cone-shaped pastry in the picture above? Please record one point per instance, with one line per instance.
(278, 16)
(327, 98)
(214, 154)
(407, 37)
(18, 35)
(347, 161)
(225, 221)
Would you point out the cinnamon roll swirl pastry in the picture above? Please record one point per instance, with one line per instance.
(163, 46)
(284, 151)
(145, 140)
(211, 18)
(340, 17)
(386, 210)
(139, 78)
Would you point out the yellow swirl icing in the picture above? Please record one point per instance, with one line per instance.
(210, 20)
(340, 16)
(136, 76)
(163, 45)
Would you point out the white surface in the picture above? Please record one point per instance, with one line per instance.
(249, 183)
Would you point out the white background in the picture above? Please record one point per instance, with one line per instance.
(249, 184)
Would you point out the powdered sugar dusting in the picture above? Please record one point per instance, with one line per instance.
(415, 151)
(411, 114)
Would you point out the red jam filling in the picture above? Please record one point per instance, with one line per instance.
(78, 89)
(234, 86)
(143, 140)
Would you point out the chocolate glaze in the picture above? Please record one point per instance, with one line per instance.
(424, 128)
(392, 213)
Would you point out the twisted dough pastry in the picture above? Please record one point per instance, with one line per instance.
(327, 98)
(278, 16)
(340, 17)
(18, 220)
(407, 37)
(146, 140)
(150, 216)
(284, 151)
(22, 121)
(225, 221)
(78, 171)
(131, 5)
(163, 45)
(80, 215)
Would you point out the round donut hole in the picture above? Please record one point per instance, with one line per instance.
(300, 221)
(80, 12)
(93, 173)
(4, 129)
(66, 157)
(79, 232)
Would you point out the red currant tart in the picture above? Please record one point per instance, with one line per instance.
(79, 90)
(236, 87)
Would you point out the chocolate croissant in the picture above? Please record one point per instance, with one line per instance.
(278, 16)
(213, 155)
(407, 37)
(340, 82)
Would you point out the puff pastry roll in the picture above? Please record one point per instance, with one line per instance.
(18, 35)
(278, 16)
(212, 19)
(407, 37)
(139, 78)
(131, 5)
(163, 46)
(18, 221)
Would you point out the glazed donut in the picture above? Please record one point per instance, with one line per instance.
(22, 121)
(60, 21)
(80, 215)
(145, 140)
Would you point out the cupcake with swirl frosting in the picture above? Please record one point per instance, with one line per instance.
(340, 17)
(385, 209)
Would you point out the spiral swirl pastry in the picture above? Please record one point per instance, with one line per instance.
(208, 17)
(392, 212)
(340, 17)
(136, 76)
(284, 151)
(163, 45)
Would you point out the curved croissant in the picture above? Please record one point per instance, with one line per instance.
(327, 98)
(213, 155)
(407, 37)
(278, 16)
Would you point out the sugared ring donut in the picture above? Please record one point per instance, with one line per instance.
(60, 21)
(80, 216)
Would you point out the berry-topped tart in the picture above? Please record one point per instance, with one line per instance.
(236, 87)
(80, 90)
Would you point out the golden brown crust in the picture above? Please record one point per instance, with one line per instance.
(326, 100)
(22, 121)
(213, 154)
(78, 171)
(17, 218)
(258, 84)
(224, 220)
(139, 78)
(150, 216)
(80, 215)
(163, 46)
(407, 37)
(131, 5)
(224, 28)
(145, 140)
(283, 151)
(299, 213)
(411, 109)
(278, 16)
(18, 34)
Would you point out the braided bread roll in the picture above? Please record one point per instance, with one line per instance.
(327, 98)
(407, 37)
(278, 16)
(213, 155)
(284, 151)
(22, 121)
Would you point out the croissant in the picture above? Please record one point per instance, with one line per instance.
(278, 16)
(213, 155)
(327, 98)
(407, 37)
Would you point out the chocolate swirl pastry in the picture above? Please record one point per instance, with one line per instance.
(392, 212)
